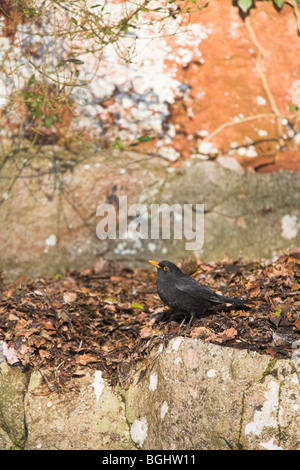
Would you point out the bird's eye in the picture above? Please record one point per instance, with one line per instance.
(166, 268)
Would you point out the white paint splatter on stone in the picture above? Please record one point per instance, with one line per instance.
(164, 409)
(211, 373)
(51, 240)
(151, 247)
(270, 445)
(138, 431)
(153, 382)
(260, 101)
(174, 344)
(289, 226)
(98, 384)
(265, 416)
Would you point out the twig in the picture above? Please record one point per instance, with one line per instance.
(234, 123)
(293, 4)
(267, 90)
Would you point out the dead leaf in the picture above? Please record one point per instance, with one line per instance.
(44, 354)
(85, 359)
(10, 353)
(297, 323)
(13, 317)
(201, 332)
(226, 335)
(69, 297)
(110, 308)
(48, 325)
(116, 278)
(146, 332)
(270, 351)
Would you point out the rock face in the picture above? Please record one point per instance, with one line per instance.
(220, 77)
(13, 384)
(48, 215)
(193, 395)
(202, 396)
(91, 416)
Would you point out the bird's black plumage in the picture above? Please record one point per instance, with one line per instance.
(182, 293)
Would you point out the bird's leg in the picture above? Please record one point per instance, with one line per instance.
(180, 326)
(191, 321)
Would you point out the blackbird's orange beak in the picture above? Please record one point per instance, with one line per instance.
(155, 263)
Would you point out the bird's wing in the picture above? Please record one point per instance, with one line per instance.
(190, 286)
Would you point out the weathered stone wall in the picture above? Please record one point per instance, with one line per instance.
(222, 84)
(48, 215)
(197, 395)
(193, 395)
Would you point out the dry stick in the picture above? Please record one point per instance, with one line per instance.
(293, 4)
(296, 10)
(234, 123)
(264, 79)
(268, 92)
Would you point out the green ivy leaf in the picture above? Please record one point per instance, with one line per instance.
(145, 138)
(117, 143)
(35, 109)
(111, 299)
(136, 306)
(244, 5)
(75, 61)
(31, 80)
(48, 122)
(278, 313)
(293, 108)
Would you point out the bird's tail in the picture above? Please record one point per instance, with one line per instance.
(235, 300)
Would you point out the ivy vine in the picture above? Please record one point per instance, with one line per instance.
(245, 5)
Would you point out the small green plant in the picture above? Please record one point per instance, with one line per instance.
(41, 30)
(44, 110)
(117, 143)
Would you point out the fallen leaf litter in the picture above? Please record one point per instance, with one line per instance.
(104, 318)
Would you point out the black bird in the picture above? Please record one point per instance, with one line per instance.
(182, 293)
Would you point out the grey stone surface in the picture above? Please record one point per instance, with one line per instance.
(49, 202)
(192, 395)
(13, 385)
(198, 395)
(91, 415)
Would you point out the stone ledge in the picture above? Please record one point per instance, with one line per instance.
(193, 395)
